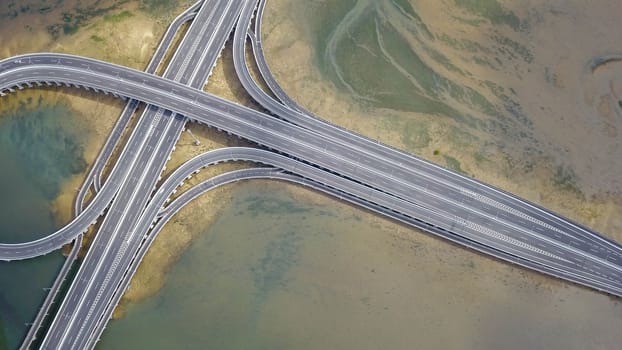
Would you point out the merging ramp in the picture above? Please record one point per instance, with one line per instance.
(77, 323)
(465, 215)
(308, 151)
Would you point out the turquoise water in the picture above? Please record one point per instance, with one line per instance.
(39, 148)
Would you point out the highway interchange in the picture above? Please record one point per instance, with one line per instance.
(310, 151)
(156, 134)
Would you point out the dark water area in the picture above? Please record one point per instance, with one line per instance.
(22, 291)
(39, 149)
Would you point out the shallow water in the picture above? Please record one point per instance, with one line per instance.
(283, 271)
(22, 292)
(39, 149)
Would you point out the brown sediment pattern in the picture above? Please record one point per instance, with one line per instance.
(514, 103)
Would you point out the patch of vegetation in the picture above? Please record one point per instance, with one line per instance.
(391, 85)
(565, 179)
(259, 205)
(516, 47)
(325, 17)
(491, 10)
(516, 110)
(461, 137)
(97, 39)
(453, 164)
(116, 18)
(442, 59)
(406, 7)
(496, 89)
(46, 9)
(437, 152)
(67, 17)
(470, 21)
(415, 134)
(54, 30)
(462, 44)
(480, 157)
(482, 62)
(72, 21)
(157, 6)
(69, 29)
(13, 9)
(549, 76)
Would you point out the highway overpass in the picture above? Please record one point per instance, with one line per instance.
(308, 151)
(547, 232)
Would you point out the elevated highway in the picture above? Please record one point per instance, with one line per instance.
(308, 150)
(287, 109)
(600, 261)
(95, 174)
(157, 133)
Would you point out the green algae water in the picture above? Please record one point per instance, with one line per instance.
(281, 270)
(39, 149)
